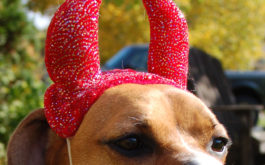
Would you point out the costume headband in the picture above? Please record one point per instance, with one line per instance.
(72, 59)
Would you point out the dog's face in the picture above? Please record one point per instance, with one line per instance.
(145, 124)
(151, 124)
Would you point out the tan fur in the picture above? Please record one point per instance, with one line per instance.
(164, 113)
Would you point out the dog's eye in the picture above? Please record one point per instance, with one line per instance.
(219, 144)
(132, 145)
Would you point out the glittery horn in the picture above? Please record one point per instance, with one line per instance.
(169, 47)
(71, 52)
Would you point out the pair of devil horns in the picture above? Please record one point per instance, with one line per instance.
(72, 59)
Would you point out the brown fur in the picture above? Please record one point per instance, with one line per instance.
(162, 112)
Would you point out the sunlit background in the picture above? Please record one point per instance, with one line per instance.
(232, 31)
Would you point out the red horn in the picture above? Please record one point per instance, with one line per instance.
(72, 61)
(169, 46)
(71, 52)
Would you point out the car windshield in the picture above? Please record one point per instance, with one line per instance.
(115, 61)
(133, 57)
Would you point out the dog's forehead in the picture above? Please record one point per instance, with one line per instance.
(153, 104)
(146, 99)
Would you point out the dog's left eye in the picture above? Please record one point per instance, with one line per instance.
(132, 145)
(219, 144)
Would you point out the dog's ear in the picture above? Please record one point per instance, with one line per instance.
(28, 143)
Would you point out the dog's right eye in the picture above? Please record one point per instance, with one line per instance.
(132, 145)
(129, 144)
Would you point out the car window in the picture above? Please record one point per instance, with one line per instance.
(132, 57)
(137, 60)
(116, 61)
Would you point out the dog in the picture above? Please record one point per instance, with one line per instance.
(129, 124)
(120, 116)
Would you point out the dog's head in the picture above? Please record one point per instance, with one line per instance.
(152, 124)
(129, 124)
(120, 116)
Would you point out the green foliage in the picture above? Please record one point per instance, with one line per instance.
(21, 68)
(2, 154)
(121, 25)
(44, 6)
(232, 31)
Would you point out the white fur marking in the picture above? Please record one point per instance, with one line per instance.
(197, 156)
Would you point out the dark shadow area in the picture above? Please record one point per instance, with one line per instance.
(207, 80)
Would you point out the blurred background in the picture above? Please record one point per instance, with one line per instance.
(233, 31)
